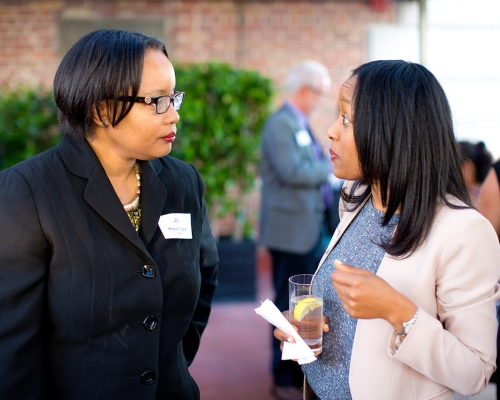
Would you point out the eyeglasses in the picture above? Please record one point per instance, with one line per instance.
(161, 103)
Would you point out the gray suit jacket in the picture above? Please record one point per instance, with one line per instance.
(291, 205)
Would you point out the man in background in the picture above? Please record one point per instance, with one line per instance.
(297, 201)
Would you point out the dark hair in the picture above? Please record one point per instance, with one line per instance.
(101, 66)
(403, 132)
(479, 155)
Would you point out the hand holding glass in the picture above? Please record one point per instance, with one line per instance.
(306, 308)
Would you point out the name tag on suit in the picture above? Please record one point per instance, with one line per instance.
(303, 138)
(176, 226)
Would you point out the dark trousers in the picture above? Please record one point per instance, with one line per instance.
(289, 373)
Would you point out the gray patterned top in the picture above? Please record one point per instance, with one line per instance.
(328, 376)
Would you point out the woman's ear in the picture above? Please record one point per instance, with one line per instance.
(99, 113)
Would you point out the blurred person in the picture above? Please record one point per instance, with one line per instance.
(476, 163)
(489, 206)
(489, 198)
(296, 197)
(414, 267)
(97, 300)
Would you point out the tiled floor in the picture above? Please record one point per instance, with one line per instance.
(234, 356)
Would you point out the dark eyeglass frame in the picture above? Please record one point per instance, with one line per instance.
(154, 100)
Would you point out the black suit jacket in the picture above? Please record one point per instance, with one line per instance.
(89, 309)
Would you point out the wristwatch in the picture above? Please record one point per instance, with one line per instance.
(407, 325)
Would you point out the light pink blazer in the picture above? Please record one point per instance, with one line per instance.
(453, 278)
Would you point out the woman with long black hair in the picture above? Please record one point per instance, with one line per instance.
(413, 267)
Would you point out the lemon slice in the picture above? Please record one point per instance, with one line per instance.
(305, 306)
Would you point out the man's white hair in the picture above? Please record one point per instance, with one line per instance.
(308, 73)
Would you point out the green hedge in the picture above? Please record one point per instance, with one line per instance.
(28, 123)
(219, 129)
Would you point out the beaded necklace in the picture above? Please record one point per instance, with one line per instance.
(133, 209)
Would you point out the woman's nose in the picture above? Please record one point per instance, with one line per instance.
(171, 116)
(331, 132)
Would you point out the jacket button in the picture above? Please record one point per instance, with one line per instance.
(148, 377)
(150, 323)
(148, 271)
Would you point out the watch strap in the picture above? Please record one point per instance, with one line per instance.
(407, 325)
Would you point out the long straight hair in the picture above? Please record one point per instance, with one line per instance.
(403, 132)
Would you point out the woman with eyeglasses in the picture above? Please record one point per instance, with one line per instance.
(107, 261)
(413, 268)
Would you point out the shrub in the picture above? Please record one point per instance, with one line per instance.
(28, 123)
(219, 130)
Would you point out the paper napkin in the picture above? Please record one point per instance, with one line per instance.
(299, 350)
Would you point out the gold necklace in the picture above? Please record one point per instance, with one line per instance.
(133, 209)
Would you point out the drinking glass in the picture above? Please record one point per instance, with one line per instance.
(306, 308)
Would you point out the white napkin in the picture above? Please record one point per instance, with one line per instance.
(299, 350)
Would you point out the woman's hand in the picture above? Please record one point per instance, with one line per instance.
(365, 295)
(283, 336)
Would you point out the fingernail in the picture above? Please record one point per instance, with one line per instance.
(289, 340)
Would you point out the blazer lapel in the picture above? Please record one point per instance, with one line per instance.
(153, 199)
(100, 195)
(309, 149)
(81, 160)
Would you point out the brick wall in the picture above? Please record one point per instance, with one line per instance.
(269, 36)
(273, 36)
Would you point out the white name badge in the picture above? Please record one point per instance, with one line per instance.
(176, 226)
(303, 138)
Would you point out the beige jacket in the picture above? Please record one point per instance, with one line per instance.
(453, 278)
